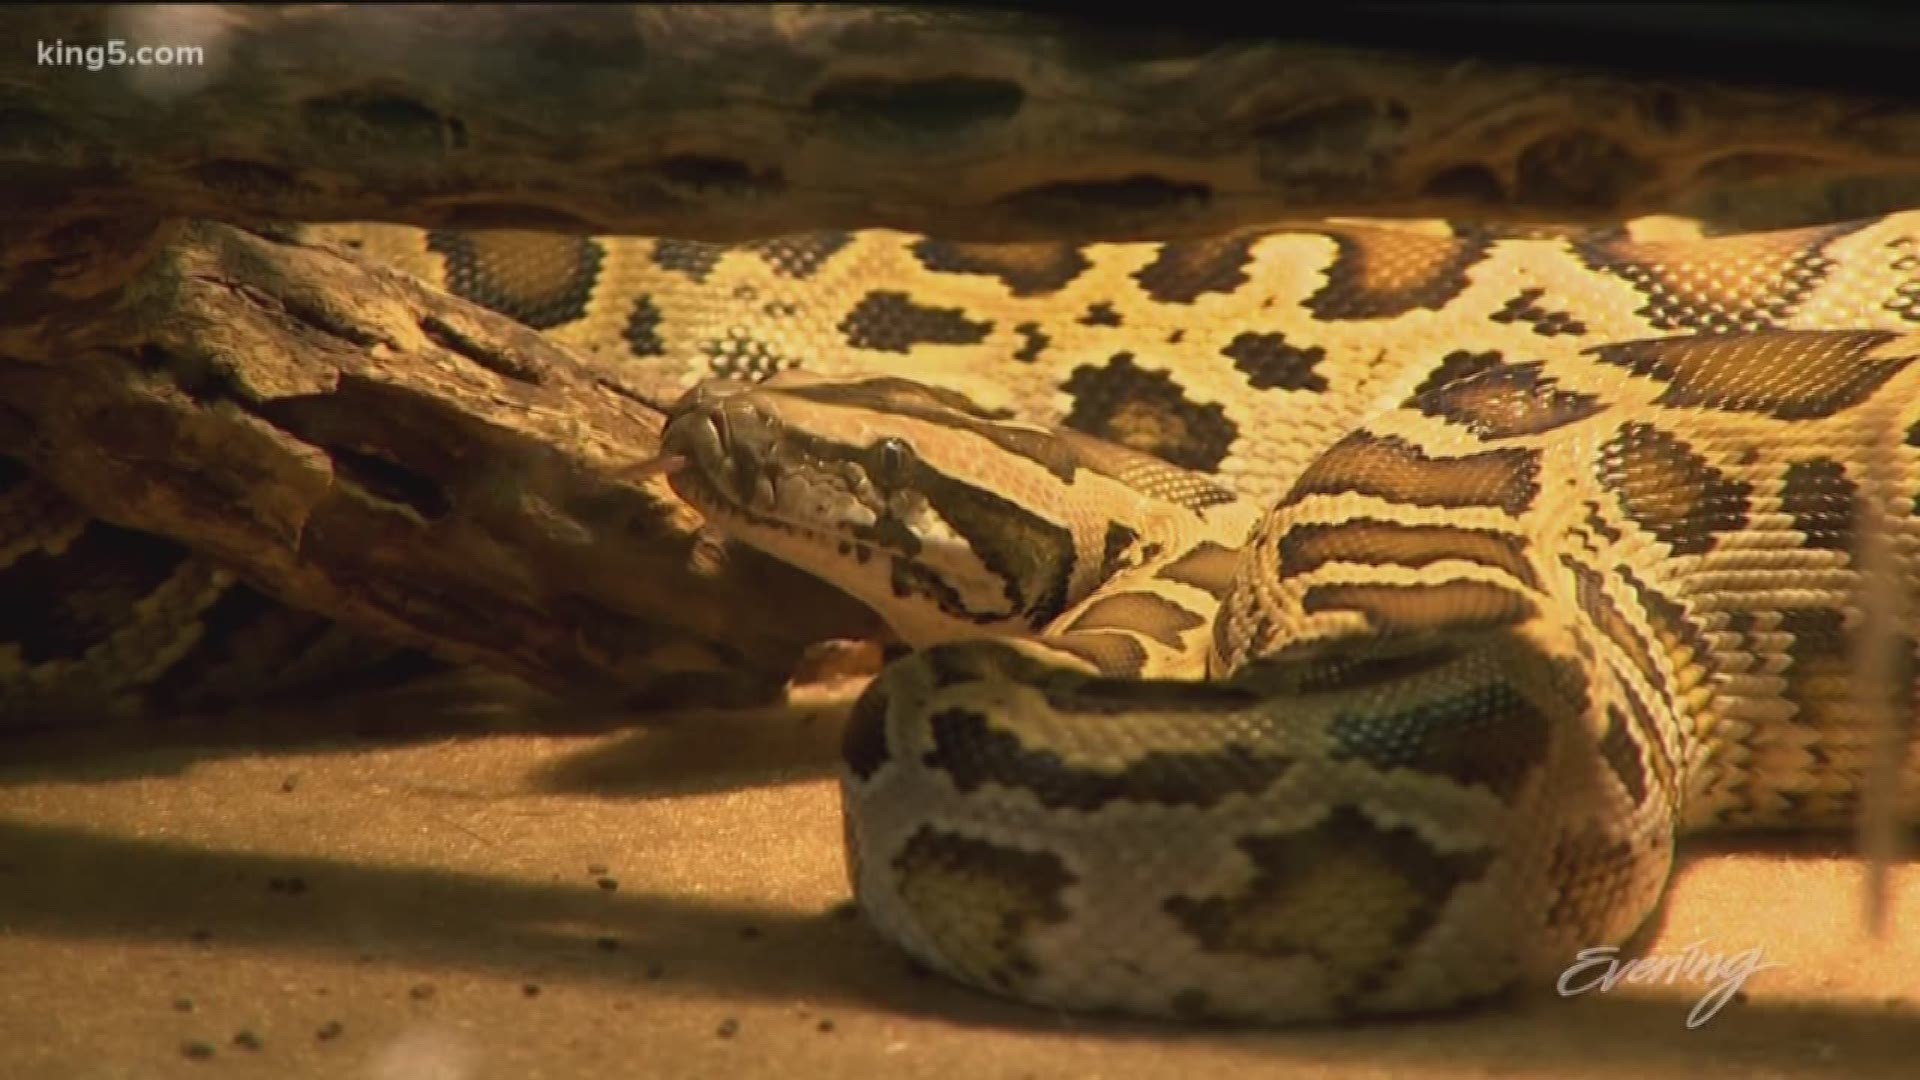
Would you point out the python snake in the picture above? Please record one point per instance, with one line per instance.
(1330, 620)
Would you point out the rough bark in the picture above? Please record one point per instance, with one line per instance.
(732, 121)
(413, 465)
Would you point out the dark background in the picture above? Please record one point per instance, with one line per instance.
(1865, 47)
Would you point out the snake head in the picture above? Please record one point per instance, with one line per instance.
(757, 458)
(947, 520)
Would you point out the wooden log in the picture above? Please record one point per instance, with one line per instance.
(419, 468)
(733, 121)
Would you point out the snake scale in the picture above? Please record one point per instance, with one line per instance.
(1328, 620)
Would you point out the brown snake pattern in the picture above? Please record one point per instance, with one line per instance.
(1466, 569)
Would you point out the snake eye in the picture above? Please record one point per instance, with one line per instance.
(892, 458)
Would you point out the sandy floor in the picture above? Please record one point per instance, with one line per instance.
(476, 901)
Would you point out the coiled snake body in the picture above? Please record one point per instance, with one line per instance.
(1323, 621)
(1526, 589)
